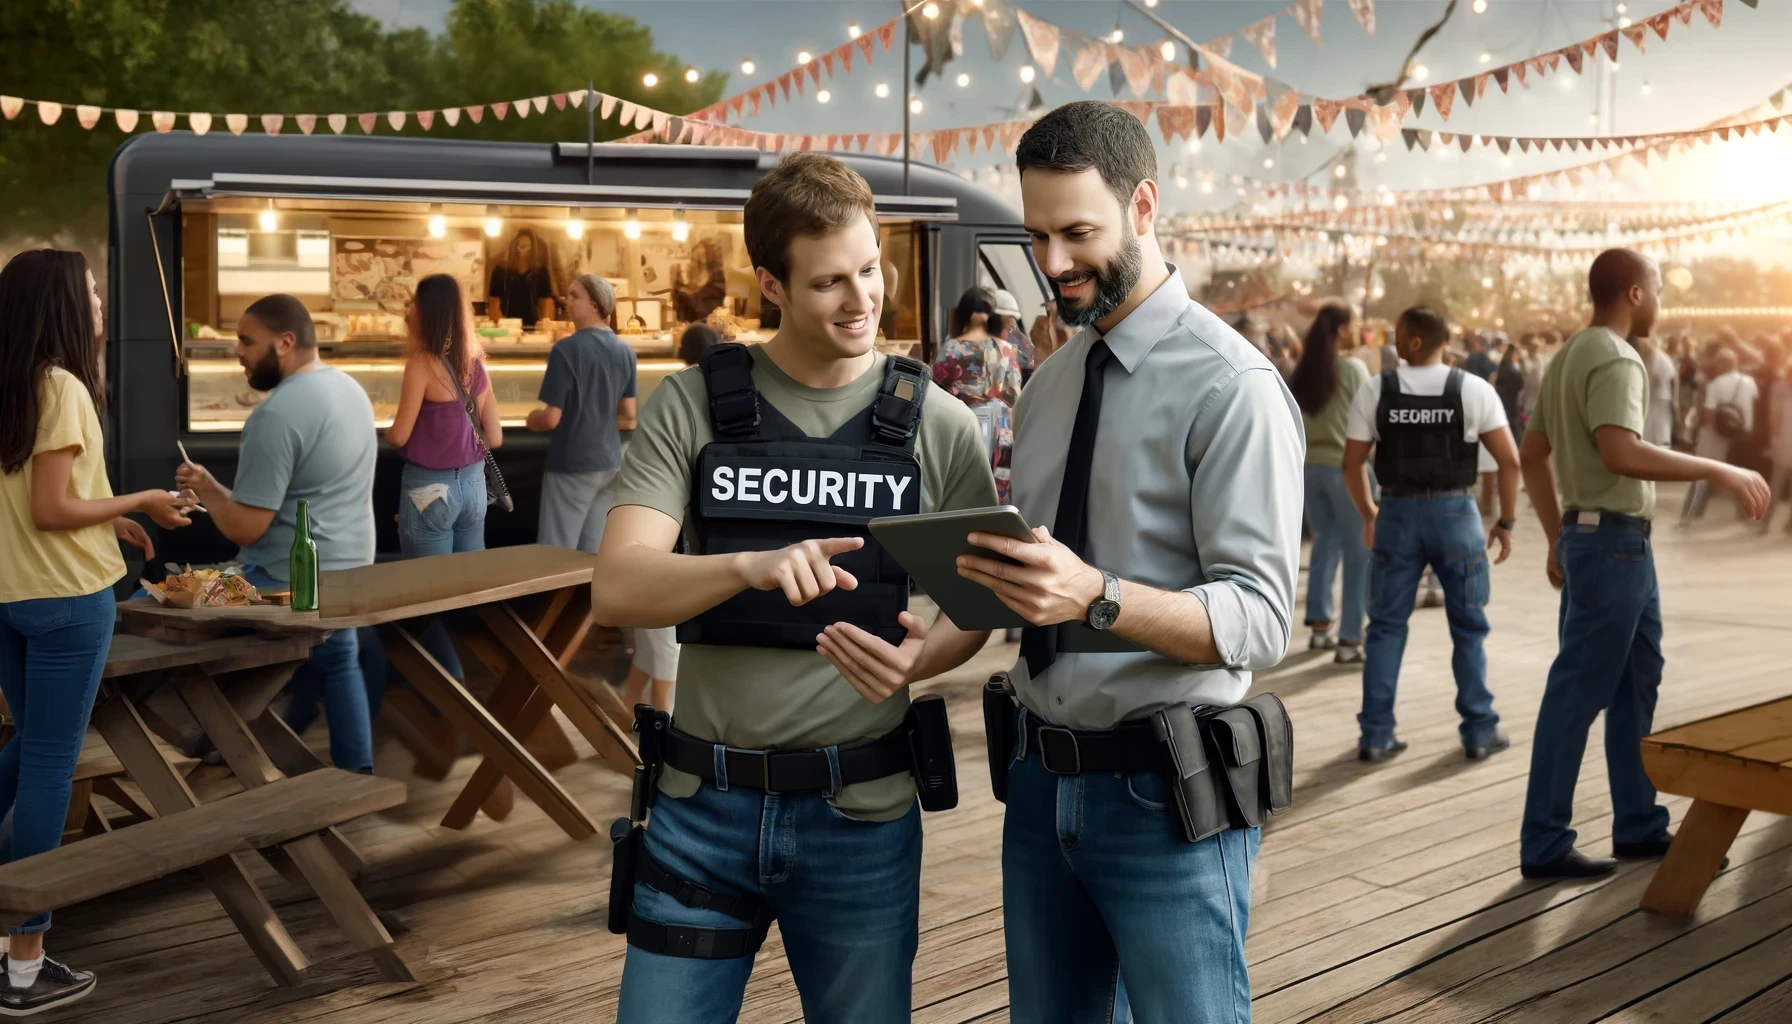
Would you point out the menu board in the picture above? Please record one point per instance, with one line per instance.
(382, 273)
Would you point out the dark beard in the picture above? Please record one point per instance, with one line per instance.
(265, 375)
(1114, 281)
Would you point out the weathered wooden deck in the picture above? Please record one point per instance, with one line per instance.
(1389, 893)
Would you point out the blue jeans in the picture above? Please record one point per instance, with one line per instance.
(1411, 533)
(1337, 537)
(1109, 911)
(1610, 661)
(454, 521)
(332, 675)
(846, 893)
(52, 652)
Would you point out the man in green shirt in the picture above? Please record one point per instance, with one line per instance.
(794, 631)
(1587, 435)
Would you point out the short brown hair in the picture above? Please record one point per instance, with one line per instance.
(1091, 133)
(806, 194)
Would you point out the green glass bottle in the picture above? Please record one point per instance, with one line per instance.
(302, 562)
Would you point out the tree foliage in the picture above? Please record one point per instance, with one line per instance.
(291, 57)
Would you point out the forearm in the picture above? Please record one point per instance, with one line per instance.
(1509, 492)
(541, 421)
(1640, 460)
(947, 648)
(61, 512)
(636, 585)
(1171, 623)
(625, 421)
(1540, 484)
(1356, 484)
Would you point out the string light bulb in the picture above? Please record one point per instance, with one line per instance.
(1339, 171)
(1646, 89)
(915, 106)
(268, 220)
(1116, 36)
(438, 224)
(1027, 73)
(1167, 49)
(631, 228)
(803, 56)
(881, 90)
(1420, 72)
(691, 75)
(1486, 58)
(930, 11)
(494, 226)
(964, 79)
(852, 31)
(1479, 6)
(747, 67)
(1268, 163)
(681, 228)
(823, 96)
(575, 227)
(650, 79)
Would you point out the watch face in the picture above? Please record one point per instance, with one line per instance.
(1103, 613)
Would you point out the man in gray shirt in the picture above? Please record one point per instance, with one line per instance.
(588, 396)
(312, 438)
(1165, 452)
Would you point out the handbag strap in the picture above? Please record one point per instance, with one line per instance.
(466, 404)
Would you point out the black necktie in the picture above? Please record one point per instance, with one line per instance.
(1039, 644)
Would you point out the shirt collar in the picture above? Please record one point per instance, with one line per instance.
(1133, 338)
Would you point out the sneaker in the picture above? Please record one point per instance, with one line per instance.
(1348, 654)
(1375, 755)
(1431, 598)
(55, 986)
(1321, 641)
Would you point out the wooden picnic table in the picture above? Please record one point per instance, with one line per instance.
(218, 690)
(1730, 764)
(477, 590)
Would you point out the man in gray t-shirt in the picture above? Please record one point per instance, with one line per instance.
(589, 399)
(312, 438)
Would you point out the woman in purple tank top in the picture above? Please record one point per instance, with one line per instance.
(442, 499)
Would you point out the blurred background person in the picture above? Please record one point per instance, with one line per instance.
(1007, 312)
(1778, 406)
(1658, 422)
(981, 370)
(1726, 417)
(520, 281)
(1508, 382)
(1324, 383)
(1048, 333)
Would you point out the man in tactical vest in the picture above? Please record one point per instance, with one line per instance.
(1427, 422)
(786, 788)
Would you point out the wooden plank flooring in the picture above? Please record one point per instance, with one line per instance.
(1388, 893)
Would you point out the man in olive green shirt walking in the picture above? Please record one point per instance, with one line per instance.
(1587, 434)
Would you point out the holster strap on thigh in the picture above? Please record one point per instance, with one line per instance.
(694, 943)
(740, 906)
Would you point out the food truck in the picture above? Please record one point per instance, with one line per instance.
(201, 226)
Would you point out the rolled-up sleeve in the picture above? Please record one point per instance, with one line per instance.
(1246, 449)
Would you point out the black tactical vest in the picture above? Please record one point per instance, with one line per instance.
(1421, 446)
(763, 484)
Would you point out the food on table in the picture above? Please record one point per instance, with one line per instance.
(203, 588)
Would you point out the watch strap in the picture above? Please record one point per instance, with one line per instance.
(1506, 524)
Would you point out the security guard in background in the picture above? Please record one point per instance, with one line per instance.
(787, 789)
(1428, 422)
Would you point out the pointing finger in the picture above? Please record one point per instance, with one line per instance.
(832, 546)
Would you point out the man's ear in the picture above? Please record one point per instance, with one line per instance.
(771, 287)
(1143, 209)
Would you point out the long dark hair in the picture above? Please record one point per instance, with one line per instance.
(538, 254)
(442, 322)
(972, 302)
(46, 319)
(695, 340)
(1315, 377)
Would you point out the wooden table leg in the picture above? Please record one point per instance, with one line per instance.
(290, 754)
(129, 738)
(1694, 858)
(315, 861)
(593, 721)
(485, 733)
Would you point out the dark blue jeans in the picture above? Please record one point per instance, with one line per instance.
(332, 676)
(846, 893)
(1610, 661)
(1411, 533)
(52, 652)
(1109, 911)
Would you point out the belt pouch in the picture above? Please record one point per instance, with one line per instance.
(1240, 750)
(998, 730)
(1198, 804)
(1277, 733)
(627, 834)
(930, 744)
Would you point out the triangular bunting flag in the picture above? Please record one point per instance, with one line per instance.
(10, 106)
(87, 116)
(1610, 42)
(426, 118)
(239, 123)
(560, 98)
(845, 53)
(1325, 112)
(272, 123)
(886, 34)
(626, 116)
(1638, 35)
(1264, 128)
(1262, 35)
(814, 67)
(1554, 60)
(199, 122)
(396, 119)
(1499, 76)
(1524, 145)
(337, 122)
(1505, 143)
(1365, 14)
(864, 42)
(1714, 12)
(1306, 14)
(643, 117)
(1574, 57)
(306, 122)
(127, 120)
(162, 119)
(541, 104)
(1137, 71)
(1412, 137)
(1303, 118)
(1221, 46)
(1465, 141)
(753, 100)
(521, 107)
(500, 109)
(1087, 64)
(366, 121)
(1518, 72)
(1466, 86)
(48, 111)
(1417, 98)
(607, 106)
(827, 64)
(1660, 23)
(998, 25)
(1203, 119)
(1684, 13)
(1443, 98)
(1116, 77)
(1355, 118)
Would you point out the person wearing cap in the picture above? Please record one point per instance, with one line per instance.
(1007, 311)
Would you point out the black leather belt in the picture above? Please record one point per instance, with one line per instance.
(1129, 747)
(1424, 493)
(792, 771)
(1593, 520)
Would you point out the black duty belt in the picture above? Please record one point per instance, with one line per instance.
(1424, 493)
(792, 771)
(1129, 747)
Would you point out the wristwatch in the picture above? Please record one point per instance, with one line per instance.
(1506, 524)
(1104, 610)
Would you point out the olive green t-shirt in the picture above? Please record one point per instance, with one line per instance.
(1597, 379)
(759, 698)
(1325, 429)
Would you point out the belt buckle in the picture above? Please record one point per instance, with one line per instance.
(772, 758)
(1045, 750)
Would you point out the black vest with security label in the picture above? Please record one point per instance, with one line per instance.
(764, 484)
(1421, 444)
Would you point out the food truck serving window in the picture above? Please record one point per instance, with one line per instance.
(355, 264)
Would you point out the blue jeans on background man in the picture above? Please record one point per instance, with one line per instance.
(846, 893)
(1337, 537)
(52, 652)
(333, 677)
(1610, 660)
(1108, 910)
(1445, 533)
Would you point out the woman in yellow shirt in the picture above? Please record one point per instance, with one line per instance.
(60, 527)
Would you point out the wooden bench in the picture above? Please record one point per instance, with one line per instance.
(255, 819)
(1730, 765)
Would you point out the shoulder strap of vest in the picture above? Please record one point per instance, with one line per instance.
(896, 414)
(1390, 387)
(733, 400)
(1453, 383)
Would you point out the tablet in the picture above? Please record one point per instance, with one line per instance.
(928, 546)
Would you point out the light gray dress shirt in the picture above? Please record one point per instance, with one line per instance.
(1197, 485)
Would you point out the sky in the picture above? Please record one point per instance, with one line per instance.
(1698, 74)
